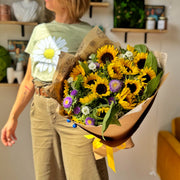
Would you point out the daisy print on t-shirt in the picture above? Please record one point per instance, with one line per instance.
(47, 53)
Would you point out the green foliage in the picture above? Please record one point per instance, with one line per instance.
(85, 67)
(5, 61)
(152, 85)
(140, 48)
(110, 117)
(129, 13)
(151, 61)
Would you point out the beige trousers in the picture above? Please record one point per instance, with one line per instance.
(60, 151)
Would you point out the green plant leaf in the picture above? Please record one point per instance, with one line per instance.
(85, 67)
(93, 57)
(115, 121)
(140, 48)
(152, 85)
(151, 61)
(109, 116)
(77, 84)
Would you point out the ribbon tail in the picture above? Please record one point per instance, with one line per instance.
(89, 136)
(110, 158)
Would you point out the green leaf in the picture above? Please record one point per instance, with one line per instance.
(151, 61)
(77, 84)
(152, 85)
(140, 48)
(109, 116)
(115, 121)
(85, 67)
(93, 57)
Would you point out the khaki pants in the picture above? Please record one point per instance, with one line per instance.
(61, 152)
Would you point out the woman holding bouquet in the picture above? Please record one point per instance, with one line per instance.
(60, 152)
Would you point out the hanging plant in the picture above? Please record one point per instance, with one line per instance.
(129, 14)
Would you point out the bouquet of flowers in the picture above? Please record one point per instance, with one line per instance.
(108, 84)
(106, 89)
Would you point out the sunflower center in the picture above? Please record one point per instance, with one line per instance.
(91, 82)
(147, 77)
(107, 57)
(115, 70)
(132, 87)
(101, 89)
(49, 53)
(102, 114)
(126, 99)
(141, 63)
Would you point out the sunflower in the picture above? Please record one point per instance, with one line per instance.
(87, 99)
(146, 75)
(101, 88)
(126, 99)
(106, 53)
(128, 68)
(90, 80)
(114, 70)
(66, 88)
(76, 71)
(101, 112)
(133, 85)
(77, 120)
(140, 60)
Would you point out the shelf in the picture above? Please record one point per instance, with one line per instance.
(145, 31)
(19, 23)
(97, 4)
(9, 85)
(22, 24)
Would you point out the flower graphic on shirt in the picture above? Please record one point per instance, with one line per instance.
(48, 51)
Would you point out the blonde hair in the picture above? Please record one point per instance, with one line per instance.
(76, 8)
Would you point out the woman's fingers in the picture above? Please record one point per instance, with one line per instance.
(14, 136)
(8, 137)
(3, 137)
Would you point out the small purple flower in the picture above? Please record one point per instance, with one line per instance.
(115, 85)
(97, 64)
(77, 110)
(74, 92)
(89, 121)
(110, 100)
(67, 102)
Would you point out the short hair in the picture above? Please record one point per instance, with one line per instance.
(77, 8)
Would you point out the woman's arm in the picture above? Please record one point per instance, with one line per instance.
(25, 93)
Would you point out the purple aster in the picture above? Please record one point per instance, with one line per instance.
(67, 102)
(110, 100)
(115, 85)
(74, 92)
(89, 121)
(97, 64)
(77, 110)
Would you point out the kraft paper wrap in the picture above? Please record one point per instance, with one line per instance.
(130, 122)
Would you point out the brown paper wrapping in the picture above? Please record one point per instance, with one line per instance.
(114, 135)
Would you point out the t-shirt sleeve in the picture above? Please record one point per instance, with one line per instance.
(31, 43)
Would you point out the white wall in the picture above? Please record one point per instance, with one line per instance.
(133, 164)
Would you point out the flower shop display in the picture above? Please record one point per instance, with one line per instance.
(106, 89)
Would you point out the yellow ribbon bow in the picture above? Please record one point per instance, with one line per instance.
(109, 150)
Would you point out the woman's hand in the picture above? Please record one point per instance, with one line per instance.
(8, 136)
(25, 93)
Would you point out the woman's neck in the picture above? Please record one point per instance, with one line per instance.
(63, 18)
